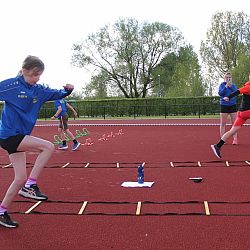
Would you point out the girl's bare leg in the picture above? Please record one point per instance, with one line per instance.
(230, 133)
(44, 148)
(233, 118)
(68, 132)
(18, 161)
(223, 122)
(62, 135)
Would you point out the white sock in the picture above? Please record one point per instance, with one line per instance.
(30, 182)
(2, 209)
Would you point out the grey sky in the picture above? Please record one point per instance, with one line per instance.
(48, 28)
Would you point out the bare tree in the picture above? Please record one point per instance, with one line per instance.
(127, 52)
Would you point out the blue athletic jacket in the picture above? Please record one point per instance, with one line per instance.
(61, 103)
(223, 92)
(22, 105)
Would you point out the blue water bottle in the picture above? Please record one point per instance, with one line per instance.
(140, 174)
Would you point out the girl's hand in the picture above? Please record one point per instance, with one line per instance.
(226, 99)
(69, 87)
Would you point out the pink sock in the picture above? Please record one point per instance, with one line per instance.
(3, 209)
(30, 182)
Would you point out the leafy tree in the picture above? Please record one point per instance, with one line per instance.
(127, 53)
(227, 41)
(75, 95)
(180, 74)
(97, 87)
(241, 72)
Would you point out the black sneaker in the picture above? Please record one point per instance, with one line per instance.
(76, 146)
(216, 150)
(63, 146)
(32, 192)
(6, 221)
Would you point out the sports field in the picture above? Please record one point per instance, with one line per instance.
(89, 209)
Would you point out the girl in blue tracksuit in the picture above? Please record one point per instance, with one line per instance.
(227, 108)
(62, 115)
(23, 98)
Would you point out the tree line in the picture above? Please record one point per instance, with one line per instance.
(137, 60)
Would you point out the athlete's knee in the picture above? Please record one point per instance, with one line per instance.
(49, 146)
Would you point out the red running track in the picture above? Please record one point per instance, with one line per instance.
(173, 211)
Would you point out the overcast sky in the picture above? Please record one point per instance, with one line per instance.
(48, 28)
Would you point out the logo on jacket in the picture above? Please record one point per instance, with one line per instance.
(22, 96)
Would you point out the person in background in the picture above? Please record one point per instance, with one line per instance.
(242, 116)
(61, 113)
(227, 108)
(23, 98)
